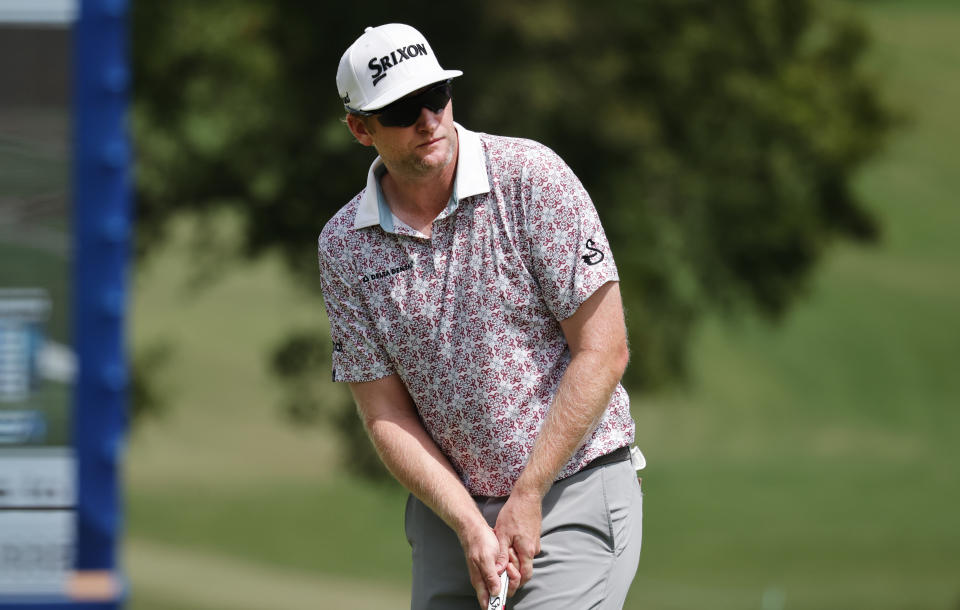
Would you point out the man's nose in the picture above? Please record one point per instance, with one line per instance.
(428, 119)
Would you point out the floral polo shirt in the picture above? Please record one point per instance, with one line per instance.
(469, 318)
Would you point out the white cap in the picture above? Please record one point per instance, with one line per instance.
(386, 63)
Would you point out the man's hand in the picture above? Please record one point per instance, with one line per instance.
(518, 532)
(485, 561)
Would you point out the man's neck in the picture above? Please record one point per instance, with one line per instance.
(418, 200)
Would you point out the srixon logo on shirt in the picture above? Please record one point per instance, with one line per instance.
(595, 256)
(380, 65)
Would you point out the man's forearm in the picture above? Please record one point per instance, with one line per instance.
(596, 334)
(578, 406)
(418, 464)
(412, 456)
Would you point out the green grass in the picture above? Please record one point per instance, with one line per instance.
(838, 533)
(810, 465)
(335, 526)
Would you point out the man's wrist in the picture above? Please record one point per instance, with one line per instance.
(470, 526)
(528, 488)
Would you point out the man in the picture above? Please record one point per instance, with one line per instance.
(475, 312)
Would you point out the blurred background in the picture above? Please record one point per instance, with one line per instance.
(776, 178)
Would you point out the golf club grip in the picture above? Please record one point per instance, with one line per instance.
(499, 602)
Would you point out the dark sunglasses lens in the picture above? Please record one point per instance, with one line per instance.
(399, 115)
(405, 112)
(436, 98)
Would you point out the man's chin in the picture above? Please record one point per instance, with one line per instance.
(435, 160)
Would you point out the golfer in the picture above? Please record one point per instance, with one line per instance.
(475, 312)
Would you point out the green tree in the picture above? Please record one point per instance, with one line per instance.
(718, 139)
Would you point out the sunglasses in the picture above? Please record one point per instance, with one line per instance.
(406, 111)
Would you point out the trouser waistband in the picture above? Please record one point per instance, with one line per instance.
(617, 455)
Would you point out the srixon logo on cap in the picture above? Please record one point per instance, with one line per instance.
(380, 65)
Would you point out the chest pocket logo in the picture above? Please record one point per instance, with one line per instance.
(379, 275)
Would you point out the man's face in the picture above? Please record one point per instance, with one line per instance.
(427, 146)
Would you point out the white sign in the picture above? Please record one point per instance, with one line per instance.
(37, 478)
(37, 520)
(36, 551)
(38, 11)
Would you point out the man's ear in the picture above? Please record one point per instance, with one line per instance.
(359, 129)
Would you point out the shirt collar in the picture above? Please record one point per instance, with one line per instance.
(471, 179)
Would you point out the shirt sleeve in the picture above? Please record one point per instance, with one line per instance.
(357, 352)
(570, 252)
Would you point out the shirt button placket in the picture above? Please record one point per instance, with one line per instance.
(438, 246)
(412, 248)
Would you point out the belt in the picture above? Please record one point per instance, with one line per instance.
(617, 455)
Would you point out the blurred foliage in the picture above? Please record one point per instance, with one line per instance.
(148, 394)
(718, 138)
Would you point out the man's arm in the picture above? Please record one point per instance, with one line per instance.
(596, 334)
(412, 456)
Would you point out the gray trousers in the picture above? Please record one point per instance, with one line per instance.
(590, 546)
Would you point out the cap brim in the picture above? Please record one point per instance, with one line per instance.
(409, 86)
